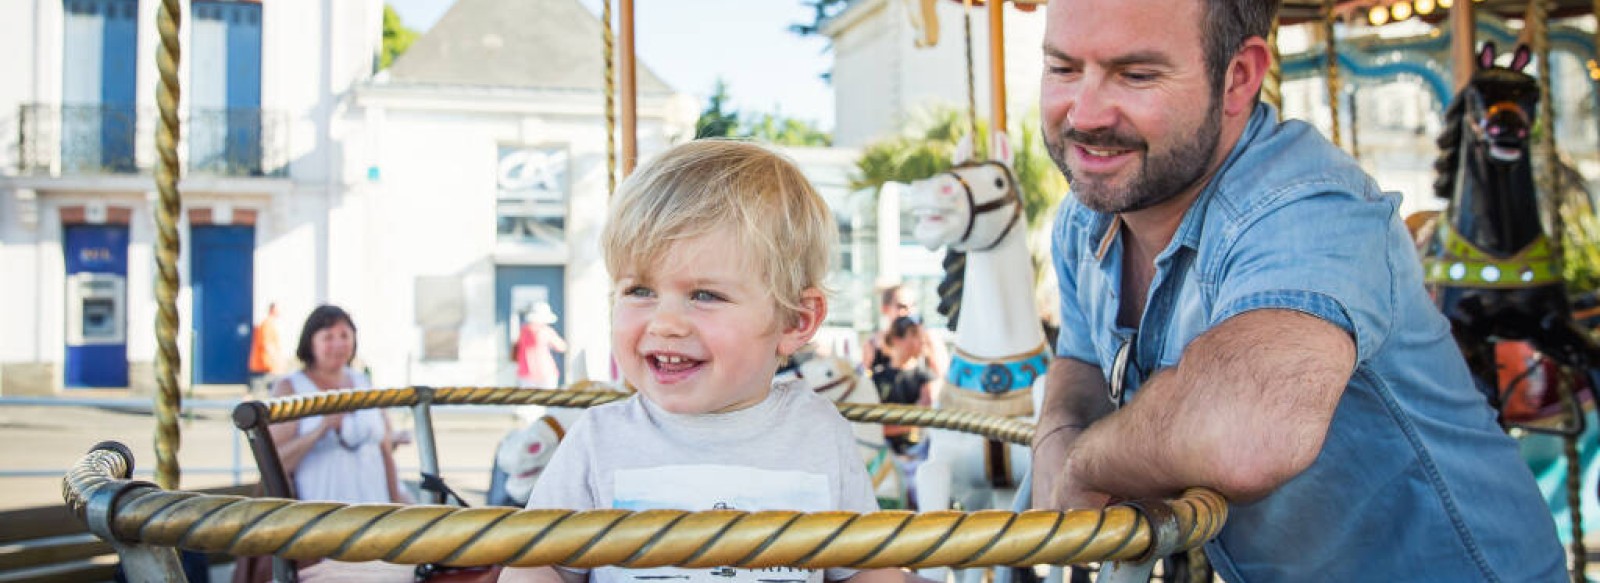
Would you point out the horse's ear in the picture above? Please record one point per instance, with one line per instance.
(1486, 55)
(963, 151)
(1000, 147)
(1520, 58)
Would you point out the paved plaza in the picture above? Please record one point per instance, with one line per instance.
(39, 443)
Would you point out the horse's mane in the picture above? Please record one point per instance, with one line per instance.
(955, 271)
(1449, 143)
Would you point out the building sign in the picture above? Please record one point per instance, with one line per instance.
(532, 188)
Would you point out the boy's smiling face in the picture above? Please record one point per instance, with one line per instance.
(698, 331)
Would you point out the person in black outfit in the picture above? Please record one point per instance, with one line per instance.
(901, 374)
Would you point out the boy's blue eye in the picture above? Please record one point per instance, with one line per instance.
(637, 291)
(705, 296)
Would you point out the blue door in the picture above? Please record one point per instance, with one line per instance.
(517, 287)
(97, 268)
(222, 277)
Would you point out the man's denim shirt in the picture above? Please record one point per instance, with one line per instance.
(1415, 481)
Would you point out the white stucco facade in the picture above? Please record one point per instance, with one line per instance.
(293, 204)
(881, 77)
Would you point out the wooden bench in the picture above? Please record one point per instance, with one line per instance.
(49, 544)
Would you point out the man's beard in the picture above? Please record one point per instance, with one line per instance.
(1157, 179)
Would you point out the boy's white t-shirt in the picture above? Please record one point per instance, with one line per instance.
(792, 451)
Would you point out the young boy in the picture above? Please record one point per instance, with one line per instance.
(717, 251)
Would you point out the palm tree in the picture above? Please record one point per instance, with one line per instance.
(925, 150)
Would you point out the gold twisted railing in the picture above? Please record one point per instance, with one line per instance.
(482, 536)
(141, 515)
(295, 407)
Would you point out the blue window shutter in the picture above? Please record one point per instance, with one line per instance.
(225, 87)
(99, 66)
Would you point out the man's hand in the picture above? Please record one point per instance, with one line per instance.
(1075, 396)
(1069, 495)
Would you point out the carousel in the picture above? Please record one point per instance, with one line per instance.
(148, 523)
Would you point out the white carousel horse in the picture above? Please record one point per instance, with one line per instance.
(523, 455)
(1000, 352)
(525, 451)
(836, 379)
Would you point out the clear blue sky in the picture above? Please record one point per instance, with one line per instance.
(690, 43)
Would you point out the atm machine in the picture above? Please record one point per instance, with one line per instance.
(97, 306)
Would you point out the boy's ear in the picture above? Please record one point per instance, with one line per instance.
(813, 311)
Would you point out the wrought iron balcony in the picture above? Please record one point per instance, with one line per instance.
(78, 140)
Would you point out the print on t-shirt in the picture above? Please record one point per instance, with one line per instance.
(708, 487)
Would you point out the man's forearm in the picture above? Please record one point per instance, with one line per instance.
(1246, 409)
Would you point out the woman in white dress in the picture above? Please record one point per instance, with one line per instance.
(345, 457)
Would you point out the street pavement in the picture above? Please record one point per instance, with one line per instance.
(45, 441)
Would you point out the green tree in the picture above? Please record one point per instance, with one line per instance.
(396, 37)
(719, 120)
(716, 121)
(925, 150)
(786, 131)
(822, 11)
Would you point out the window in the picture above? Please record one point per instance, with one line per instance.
(531, 203)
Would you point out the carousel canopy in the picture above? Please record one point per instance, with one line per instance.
(1298, 11)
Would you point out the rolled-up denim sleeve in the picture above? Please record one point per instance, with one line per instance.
(1326, 255)
(1074, 340)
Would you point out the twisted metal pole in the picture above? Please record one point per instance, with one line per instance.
(1272, 86)
(1331, 52)
(610, 41)
(1569, 450)
(1549, 189)
(524, 538)
(168, 361)
(972, 84)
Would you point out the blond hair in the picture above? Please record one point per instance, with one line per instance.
(700, 186)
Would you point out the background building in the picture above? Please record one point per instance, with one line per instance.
(263, 181)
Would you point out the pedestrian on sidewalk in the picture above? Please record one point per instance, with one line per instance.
(266, 353)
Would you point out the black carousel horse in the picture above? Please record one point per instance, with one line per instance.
(1492, 268)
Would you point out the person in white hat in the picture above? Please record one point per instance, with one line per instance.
(536, 367)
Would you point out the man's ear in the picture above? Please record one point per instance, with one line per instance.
(1245, 74)
(804, 322)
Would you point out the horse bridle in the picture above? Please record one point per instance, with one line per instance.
(849, 378)
(1013, 197)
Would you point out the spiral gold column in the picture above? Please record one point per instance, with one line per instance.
(168, 361)
(1569, 450)
(610, 41)
(1272, 85)
(1331, 51)
(1549, 177)
(972, 84)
